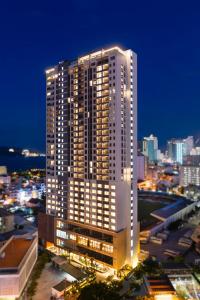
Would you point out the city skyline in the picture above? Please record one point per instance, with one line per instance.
(164, 36)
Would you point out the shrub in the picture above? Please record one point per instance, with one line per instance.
(36, 273)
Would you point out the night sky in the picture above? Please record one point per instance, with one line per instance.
(38, 34)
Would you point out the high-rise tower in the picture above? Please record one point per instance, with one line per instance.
(150, 148)
(91, 203)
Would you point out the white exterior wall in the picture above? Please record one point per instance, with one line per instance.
(164, 224)
(122, 199)
(12, 285)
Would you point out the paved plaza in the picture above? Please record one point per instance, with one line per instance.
(49, 278)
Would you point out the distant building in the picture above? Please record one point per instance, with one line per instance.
(153, 172)
(195, 151)
(190, 170)
(178, 148)
(189, 175)
(189, 144)
(5, 180)
(17, 259)
(140, 146)
(141, 167)
(25, 152)
(191, 160)
(150, 148)
(6, 221)
(160, 155)
(3, 170)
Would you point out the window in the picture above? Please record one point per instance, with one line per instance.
(94, 244)
(107, 248)
(61, 234)
(60, 224)
(83, 241)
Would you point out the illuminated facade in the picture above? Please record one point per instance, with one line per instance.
(178, 148)
(91, 155)
(190, 175)
(150, 148)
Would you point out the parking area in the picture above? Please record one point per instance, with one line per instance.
(171, 243)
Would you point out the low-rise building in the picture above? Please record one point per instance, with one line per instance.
(196, 238)
(160, 287)
(17, 259)
(175, 208)
(5, 180)
(3, 170)
(6, 221)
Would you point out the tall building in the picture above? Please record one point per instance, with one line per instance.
(150, 148)
(91, 205)
(142, 166)
(195, 151)
(189, 144)
(189, 174)
(191, 160)
(178, 148)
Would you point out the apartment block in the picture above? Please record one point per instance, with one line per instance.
(190, 174)
(91, 121)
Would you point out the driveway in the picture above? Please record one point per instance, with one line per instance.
(49, 278)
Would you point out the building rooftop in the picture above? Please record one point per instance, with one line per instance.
(159, 285)
(69, 268)
(63, 285)
(4, 212)
(13, 252)
(73, 271)
(174, 266)
(169, 210)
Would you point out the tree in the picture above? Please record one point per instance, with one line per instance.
(109, 278)
(175, 225)
(138, 271)
(99, 291)
(179, 259)
(196, 269)
(134, 286)
(151, 267)
(121, 273)
(115, 285)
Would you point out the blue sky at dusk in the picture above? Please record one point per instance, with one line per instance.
(38, 34)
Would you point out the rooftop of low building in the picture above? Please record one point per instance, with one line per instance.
(13, 252)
